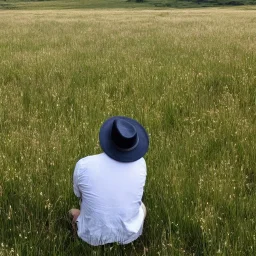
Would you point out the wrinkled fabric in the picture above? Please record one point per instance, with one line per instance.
(111, 194)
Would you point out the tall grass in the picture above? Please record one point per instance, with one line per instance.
(188, 76)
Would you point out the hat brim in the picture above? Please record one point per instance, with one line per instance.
(111, 150)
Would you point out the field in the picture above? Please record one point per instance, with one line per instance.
(189, 76)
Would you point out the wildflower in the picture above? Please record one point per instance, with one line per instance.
(10, 212)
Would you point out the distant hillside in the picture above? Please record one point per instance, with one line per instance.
(90, 4)
(198, 3)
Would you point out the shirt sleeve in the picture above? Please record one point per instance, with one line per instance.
(76, 180)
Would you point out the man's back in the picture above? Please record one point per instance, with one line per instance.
(111, 192)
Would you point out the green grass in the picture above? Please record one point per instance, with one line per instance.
(189, 76)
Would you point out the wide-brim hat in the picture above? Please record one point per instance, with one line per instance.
(123, 139)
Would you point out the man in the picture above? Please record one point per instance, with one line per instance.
(110, 185)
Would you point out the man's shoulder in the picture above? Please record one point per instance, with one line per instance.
(140, 162)
(103, 159)
(88, 159)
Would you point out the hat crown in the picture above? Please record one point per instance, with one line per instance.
(124, 135)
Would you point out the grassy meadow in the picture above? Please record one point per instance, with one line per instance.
(189, 76)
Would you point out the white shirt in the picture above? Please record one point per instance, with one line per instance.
(111, 193)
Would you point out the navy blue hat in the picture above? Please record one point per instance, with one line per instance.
(123, 139)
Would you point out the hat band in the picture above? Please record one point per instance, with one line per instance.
(128, 149)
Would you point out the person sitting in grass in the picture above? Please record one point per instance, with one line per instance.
(110, 185)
